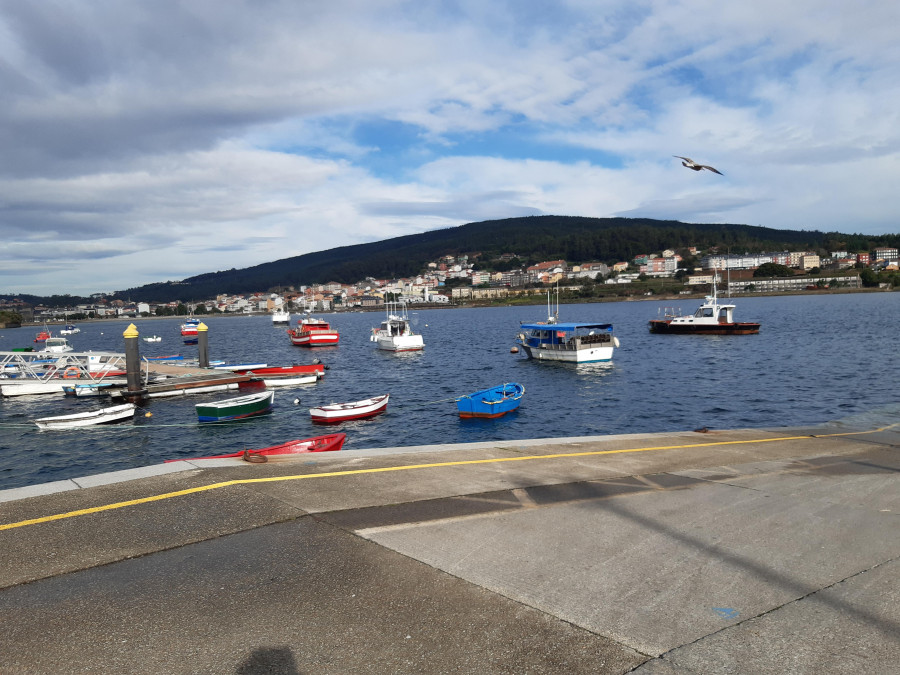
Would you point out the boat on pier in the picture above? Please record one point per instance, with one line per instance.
(326, 443)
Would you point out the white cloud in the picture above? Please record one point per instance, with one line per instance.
(145, 142)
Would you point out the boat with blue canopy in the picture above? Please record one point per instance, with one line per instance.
(569, 342)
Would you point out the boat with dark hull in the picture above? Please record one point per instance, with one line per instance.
(711, 318)
(236, 408)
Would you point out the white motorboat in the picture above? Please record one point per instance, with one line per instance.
(57, 345)
(281, 316)
(395, 333)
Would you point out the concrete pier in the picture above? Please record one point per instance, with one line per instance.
(745, 551)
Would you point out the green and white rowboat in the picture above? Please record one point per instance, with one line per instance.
(236, 408)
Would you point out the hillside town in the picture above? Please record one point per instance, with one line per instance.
(458, 279)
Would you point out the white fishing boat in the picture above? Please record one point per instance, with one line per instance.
(395, 333)
(152, 338)
(108, 415)
(711, 318)
(281, 316)
(568, 342)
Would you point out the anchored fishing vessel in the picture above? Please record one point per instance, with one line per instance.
(711, 318)
(568, 342)
(395, 334)
(313, 333)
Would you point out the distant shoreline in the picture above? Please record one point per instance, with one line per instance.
(536, 299)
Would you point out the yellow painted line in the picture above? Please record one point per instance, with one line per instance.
(409, 467)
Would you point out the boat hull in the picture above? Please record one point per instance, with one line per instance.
(109, 415)
(327, 443)
(667, 327)
(490, 403)
(587, 355)
(236, 408)
(343, 412)
(316, 369)
(401, 343)
(314, 340)
(289, 380)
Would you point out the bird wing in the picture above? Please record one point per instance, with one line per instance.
(686, 159)
(712, 169)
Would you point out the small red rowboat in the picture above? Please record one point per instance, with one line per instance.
(327, 443)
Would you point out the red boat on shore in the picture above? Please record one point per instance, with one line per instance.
(327, 443)
(313, 333)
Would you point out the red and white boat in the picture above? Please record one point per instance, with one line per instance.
(189, 327)
(327, 443)
(341, 412)
(316, 369)
(286, 376)
(313, 333)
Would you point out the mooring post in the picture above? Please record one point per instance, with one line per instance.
(203, 345)
(133, 391)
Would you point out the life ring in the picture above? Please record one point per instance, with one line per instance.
(72, 373)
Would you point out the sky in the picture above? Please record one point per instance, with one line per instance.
(145, 141)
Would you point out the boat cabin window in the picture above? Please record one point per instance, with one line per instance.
(704, 311)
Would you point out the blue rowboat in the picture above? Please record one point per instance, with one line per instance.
(493, 402)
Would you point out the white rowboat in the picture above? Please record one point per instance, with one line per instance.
(114, 413)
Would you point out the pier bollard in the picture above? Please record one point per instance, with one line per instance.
(134, 390)
(203, 345)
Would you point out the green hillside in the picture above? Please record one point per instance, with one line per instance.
(532, 239)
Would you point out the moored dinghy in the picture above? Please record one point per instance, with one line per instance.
(236, 408)
(493, 402)
(108, 415)
(341, 412)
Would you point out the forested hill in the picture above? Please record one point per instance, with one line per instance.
(532, 239)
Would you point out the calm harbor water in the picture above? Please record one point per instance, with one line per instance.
(816, 359)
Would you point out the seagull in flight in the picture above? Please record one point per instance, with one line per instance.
(691, 164)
